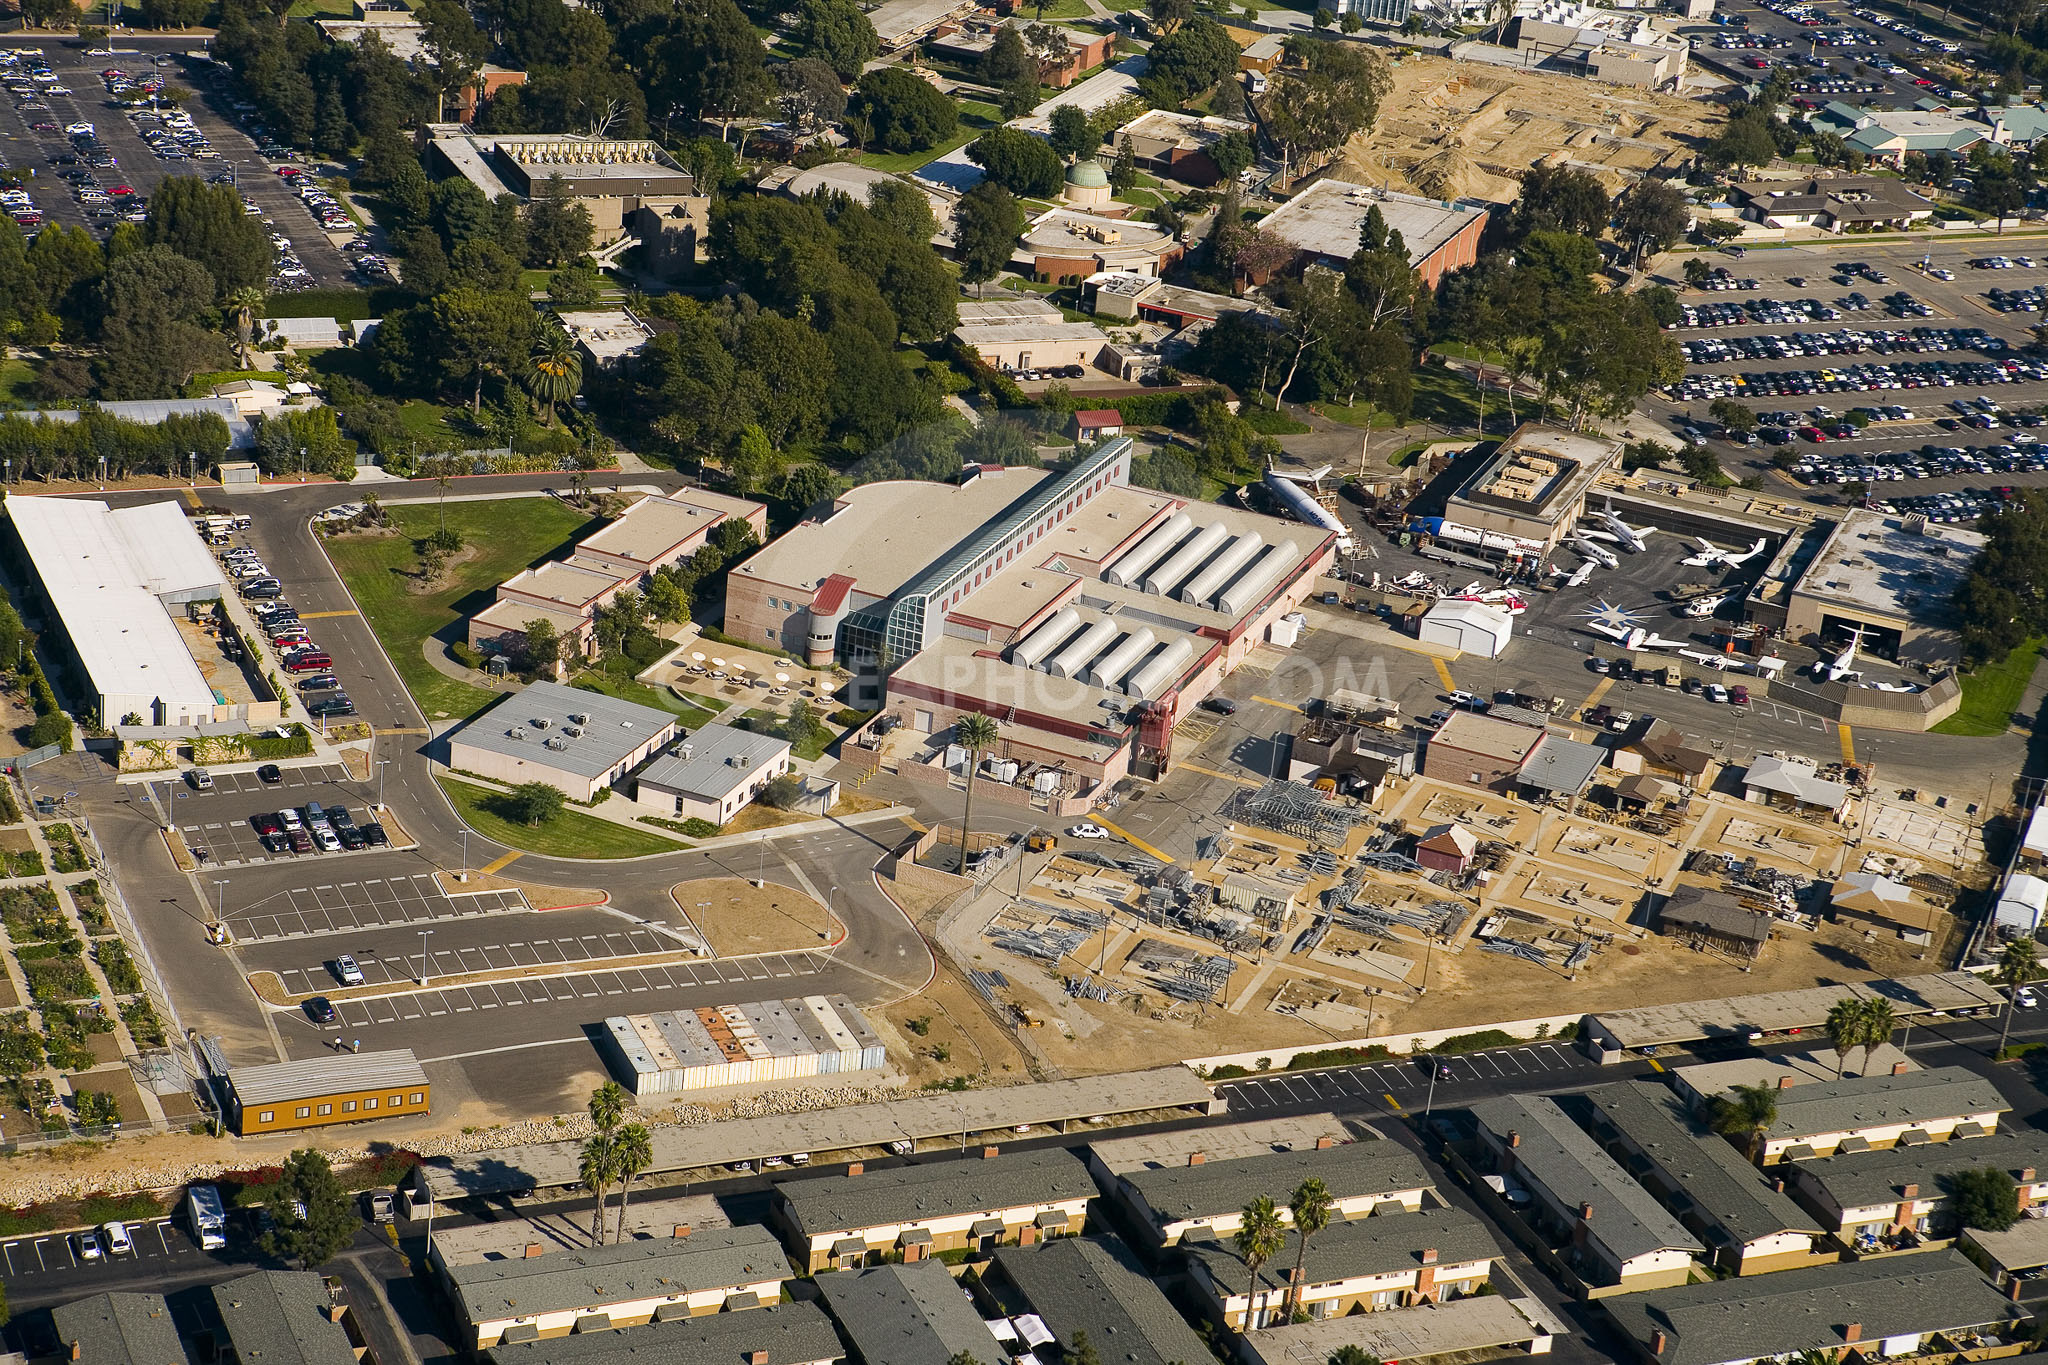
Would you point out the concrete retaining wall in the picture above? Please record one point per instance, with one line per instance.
(1423, 1041)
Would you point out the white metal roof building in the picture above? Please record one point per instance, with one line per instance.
(1472, 627)
(113, 576)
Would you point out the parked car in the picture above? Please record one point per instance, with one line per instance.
(347, 970)
(321, 1010)
(201, 780)
(1222, 706)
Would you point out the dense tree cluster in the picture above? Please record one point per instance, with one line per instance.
(2003, 601)
(317, 94)
(805, 362)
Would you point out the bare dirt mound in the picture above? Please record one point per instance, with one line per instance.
(1453, 129)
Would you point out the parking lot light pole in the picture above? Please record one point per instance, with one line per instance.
(220, 900)
(382, 764)
(463, 876)
(424, 963)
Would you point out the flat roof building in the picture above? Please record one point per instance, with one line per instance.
(719, 1045)
(777, 1334)
(1066, 246)
(582, 742)
(914, 1314)
(915, 1118)
(1085, 612)
(1700, 1084)
(1893, 1307)
(1479, 751)
(2023, 1247)
(713, 774)
(1892, 577)
(1173, 1202)
(1617, 1232)
(1095, 1286)
(346, 1087)
(609, 336)
(1833, 203)
(1752, 1016)
(592, 1289)
(1533, 489)
(628, 186)
(117, 1329)
(114, 578)
(1006, 1199)
(1323, 221)
(654, 533)
(1793, 781)
(1169, 143)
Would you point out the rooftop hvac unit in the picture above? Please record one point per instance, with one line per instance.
(573, 731)
(683, 750)
(541, 722)
(517, 732)
(579, 717)
(555, 742)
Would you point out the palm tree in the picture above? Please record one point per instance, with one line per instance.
(633, 1150)
(1258, 1239)
(607, 1107)
(1311, 1204)
(1879, 1020)
(554, 372)
(1845, 1028)
(2016, 967)
(244, 306)
(976, 733)
(1747, 1112)
(597, 1167)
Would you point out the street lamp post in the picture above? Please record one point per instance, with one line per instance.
(302, 464)
(220, 900)
(464, 875)
(831, 909)
(382, 764)
(1434, 1067)
(425, 964)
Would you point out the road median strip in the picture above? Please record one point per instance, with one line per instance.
(269, 987)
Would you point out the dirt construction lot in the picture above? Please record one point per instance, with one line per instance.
(1452, 129)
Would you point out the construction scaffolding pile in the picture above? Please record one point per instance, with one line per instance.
(1750, 878)
(1081, 988)
(1043, 942)
(988, 983)
(1297, 809)
(1514, 947)
(1200, 981)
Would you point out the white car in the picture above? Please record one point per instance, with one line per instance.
(89, 1246)
(346, 967)
(343, 511)
(119, 1243)
(2024, 998)
(1087, 831)
(1716, 692)
(326, 839)
(1621, 721)
(903, 1146)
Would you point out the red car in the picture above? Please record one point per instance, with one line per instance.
(121, 191)
(290, 172)
(1813, 434)
(267, 823)
(1738, 695)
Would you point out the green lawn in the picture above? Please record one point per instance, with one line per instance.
(503, 538)
(976, 118)
(572, 834)
(812, 748)
(428, 424)
(660, 698)
(1991, 693)
(16, 375)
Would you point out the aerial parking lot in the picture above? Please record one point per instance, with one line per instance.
(1829, 52)
(1890, 366)
(82, 129)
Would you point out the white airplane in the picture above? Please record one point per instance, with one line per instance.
(1501, 598)
(1619, 531)
(1634, 637)
(1706, 660)
(1701, 607)
(1579, 576)
(1598, 554)
(1711, 556)
(1302, 475)
(1843, 667)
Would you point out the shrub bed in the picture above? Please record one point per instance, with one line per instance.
(58, 978)
(117, 966)
(143, 1025)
